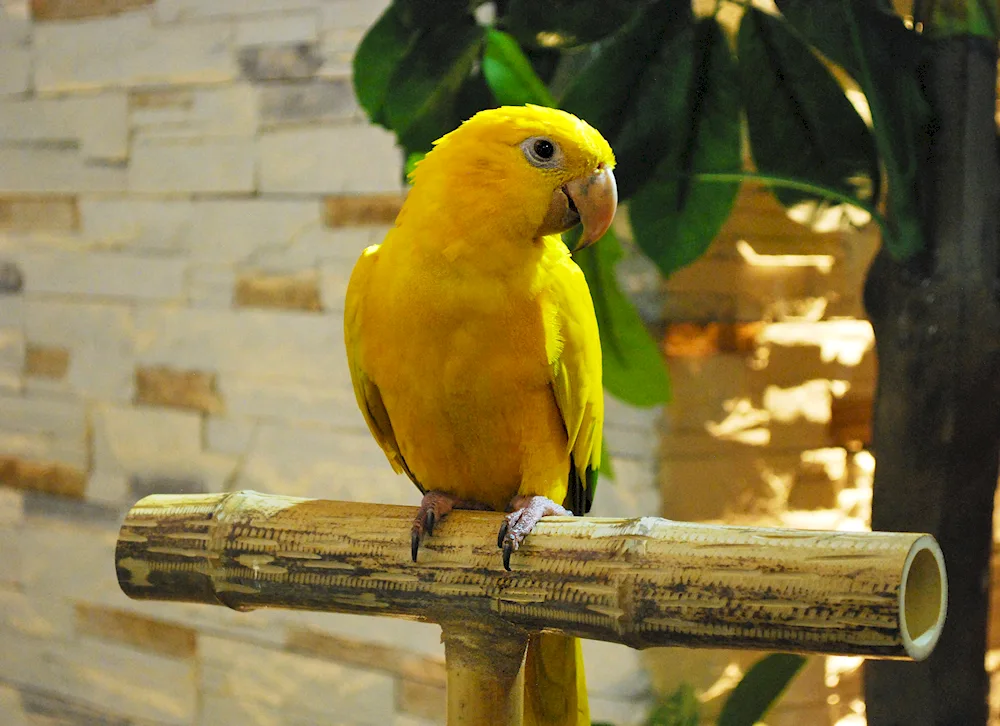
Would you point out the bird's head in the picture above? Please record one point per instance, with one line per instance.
(526, 170)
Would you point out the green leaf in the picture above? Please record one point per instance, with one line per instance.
(509, 74)
(431, 13)
(883, 56)
(759, 689)
(412, 159)
(801, 124)
(566, 23)
(420, 103)
(962, 17)
(658, 117)
(634, 368)
(681, 708)
(675, 216)
(604, 89)
(377, 58)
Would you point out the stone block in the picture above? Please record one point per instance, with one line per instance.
(364, 210)
(351, 13)
(334, 278)
(42, 361)
(107, 488)
(172, 11)
(196, 113)
(254, 343)
(43, 10)
(160, 450)
(337, 49)
(25, 613)
(229, 435)
(140, 631)
(422, 700)
(44, 450)
(97, 124)
(46, 477)
(410, 666)
(103, 274)
(99, 337)
(290, 400)
(128, 50)
(851, 421)
(211, 286)
(50, 417)
(13, 355)
(12, 710)
(349, 159)
(126, 224)
(16, 64)
(163, 386)
(11, 278)
(11, 507)
(39, 213)
(54, 171)
(240, 681)
(619, 712)
(238, 230)
(191, 165)
(320, 246)
(117, 680)
(282, 292)
(313, 462)
(15, 29)
(284, 62)
(614, 671)
(103, 125)
(308, 102)
(278, 29)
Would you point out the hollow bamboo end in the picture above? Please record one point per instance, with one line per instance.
(923, 598)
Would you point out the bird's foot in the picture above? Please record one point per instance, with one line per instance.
(433, 508)
(526, 511)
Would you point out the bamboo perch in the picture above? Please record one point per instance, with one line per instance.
(642, 582)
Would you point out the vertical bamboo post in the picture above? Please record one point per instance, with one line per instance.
(485, 677)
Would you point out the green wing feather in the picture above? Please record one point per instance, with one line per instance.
(575, 355)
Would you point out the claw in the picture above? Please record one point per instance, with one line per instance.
(527, 511)
(508, 548)
(434, 507)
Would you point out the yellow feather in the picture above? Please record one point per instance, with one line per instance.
(473, 345)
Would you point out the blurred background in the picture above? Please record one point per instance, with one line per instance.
(184, 188)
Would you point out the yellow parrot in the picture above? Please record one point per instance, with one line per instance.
(473, 344)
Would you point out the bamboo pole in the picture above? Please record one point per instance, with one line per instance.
(642, 582)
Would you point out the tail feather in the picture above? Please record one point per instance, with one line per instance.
(555, 686)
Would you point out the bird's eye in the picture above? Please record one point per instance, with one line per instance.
(544, 149)
(542, 152)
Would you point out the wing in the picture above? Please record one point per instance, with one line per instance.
(365, 390)
(573, 345)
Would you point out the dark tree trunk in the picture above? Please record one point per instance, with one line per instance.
(937, 409)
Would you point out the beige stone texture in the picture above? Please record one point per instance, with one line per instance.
(162, 386)
(370, 209)
(142, 632)
(29, 213)
(42, 10)
(281, 292)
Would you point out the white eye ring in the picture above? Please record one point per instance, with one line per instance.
(542, 152)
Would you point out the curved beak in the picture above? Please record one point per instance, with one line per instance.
(591, 200)
(595, 198)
